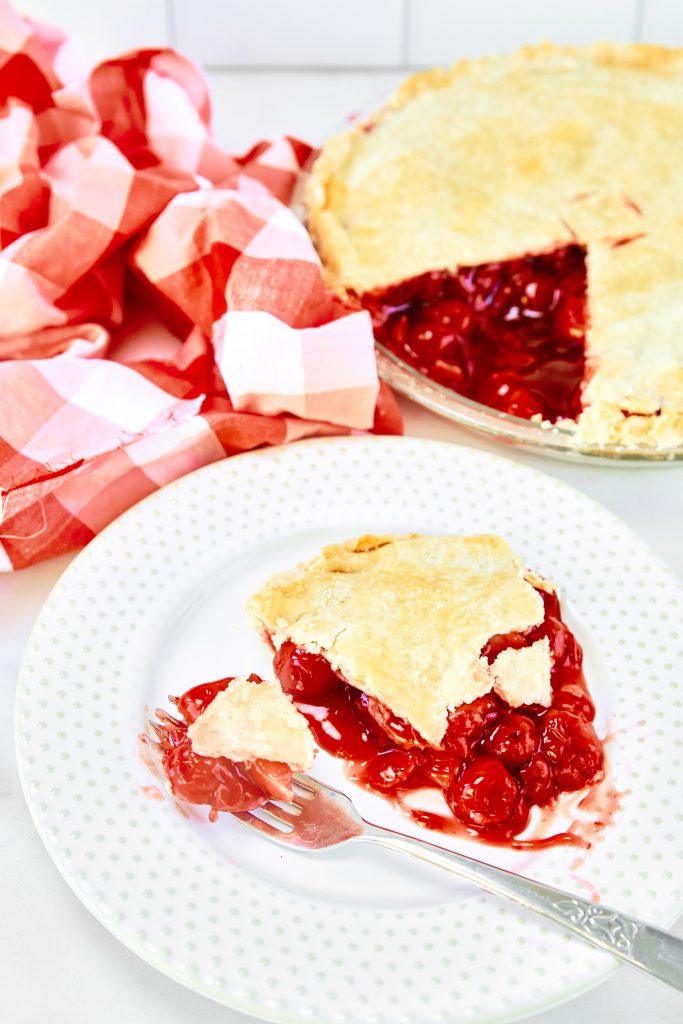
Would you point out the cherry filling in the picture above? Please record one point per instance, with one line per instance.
(223, 784)
(494, 762)
(509, 335)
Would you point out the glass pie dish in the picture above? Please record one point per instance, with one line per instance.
(548, 438)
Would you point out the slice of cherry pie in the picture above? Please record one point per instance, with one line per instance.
(234, 745)
(436, 664)
(514, 225)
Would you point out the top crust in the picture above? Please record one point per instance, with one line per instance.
(404, 619)
(501, 157)
(252, 720)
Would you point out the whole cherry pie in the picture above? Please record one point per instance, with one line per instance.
(436, 666)
(514, 225)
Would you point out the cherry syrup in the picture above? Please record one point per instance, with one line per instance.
(510, 335)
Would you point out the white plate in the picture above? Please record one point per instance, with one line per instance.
(154, 605)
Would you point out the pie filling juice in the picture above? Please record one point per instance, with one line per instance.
(494, 762)
(510, 335)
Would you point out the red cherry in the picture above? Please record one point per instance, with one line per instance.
(537, 779)
(564, 648)
(344, 733)
(502, 642)
(513, 739)
(503, 302)
(467, 722)
(452, 315)
(399, 330)
(484, 795)
(537, 337)
(516, 359)
(465, 279)
(496, 387)
(570, 317)
(306, 676)
(522, 402)
(423, 338)
(430, 286)
(209, 780)
(449, 374)
(517, 821)
(274, 778)
(441, 768)
(487, 283)
(503, 390)
(573, 749)
(521, 275)
(540, 295)
(389, 769)
(573, 697)
(397, 729)
(198, 698)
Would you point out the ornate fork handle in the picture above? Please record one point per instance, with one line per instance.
(632, 941)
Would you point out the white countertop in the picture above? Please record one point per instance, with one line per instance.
(58, 965)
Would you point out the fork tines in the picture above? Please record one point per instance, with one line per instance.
(304, 783)
(266, 820)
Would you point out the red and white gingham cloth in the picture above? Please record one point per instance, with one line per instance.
(110, 184)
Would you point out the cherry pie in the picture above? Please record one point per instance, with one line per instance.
(514, 226)
(436, 663)
(235, 745)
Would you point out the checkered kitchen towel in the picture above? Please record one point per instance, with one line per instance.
(111, 183)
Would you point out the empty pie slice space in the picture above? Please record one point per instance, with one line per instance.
(553, 178)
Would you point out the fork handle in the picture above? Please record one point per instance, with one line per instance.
(626, 938)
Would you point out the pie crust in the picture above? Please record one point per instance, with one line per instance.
(253, 720)
(404, 619)
(503, 157)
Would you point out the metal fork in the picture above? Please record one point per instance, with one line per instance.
(323, 817)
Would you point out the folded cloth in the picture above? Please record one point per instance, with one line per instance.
(111, 185)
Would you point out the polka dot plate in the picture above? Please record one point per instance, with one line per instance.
(354, 936)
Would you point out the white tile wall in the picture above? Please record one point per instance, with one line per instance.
(439, 31)
(310, 106)
(291, 33)
(663, 22)
(350, 33)
(102, 28)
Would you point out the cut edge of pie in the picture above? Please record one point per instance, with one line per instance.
(404, 619)
(374, 191)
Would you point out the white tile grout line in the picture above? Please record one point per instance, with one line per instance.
(170, 24)
(405, 31)
(638, 16)
(304, 69)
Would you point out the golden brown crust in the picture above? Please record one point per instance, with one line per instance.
(500, 157)
(405, 618)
